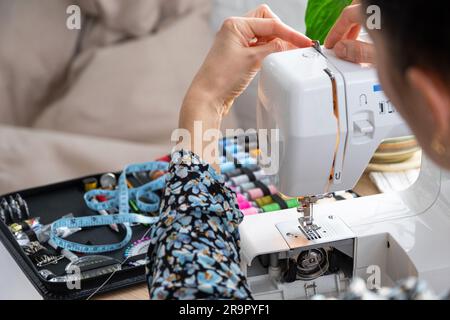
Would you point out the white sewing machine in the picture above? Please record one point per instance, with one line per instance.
(332, 116)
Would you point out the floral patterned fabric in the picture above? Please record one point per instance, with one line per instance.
(194, 253)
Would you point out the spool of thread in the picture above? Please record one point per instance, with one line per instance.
(244, 205)
(262, 202)
(229, 166)
(240, 197)
(251, 185)
(251, 211)
(239, 171)
(90, 184)
(258, 175)
(242, 156)
(258, 193)
(291, 203)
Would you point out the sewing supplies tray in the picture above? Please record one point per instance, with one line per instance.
(255, 195)
(51, 203)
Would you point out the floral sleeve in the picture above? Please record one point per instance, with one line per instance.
(194, 253)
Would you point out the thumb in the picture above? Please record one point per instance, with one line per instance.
(355, 51)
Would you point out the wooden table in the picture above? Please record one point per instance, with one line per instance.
(365, 187)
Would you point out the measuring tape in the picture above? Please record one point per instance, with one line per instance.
(115, 199)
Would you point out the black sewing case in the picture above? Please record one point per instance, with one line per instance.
(52, 202)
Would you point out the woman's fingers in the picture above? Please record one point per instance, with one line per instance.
(355, 51)
(261, 27)
(354, 32)
(264, 12)
(276, 45)
(347, 25)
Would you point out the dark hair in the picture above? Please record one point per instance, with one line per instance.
(417, 33)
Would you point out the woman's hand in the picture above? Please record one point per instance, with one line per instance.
(235, 58)
(237, 53)
(343, 37)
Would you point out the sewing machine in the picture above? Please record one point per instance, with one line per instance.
(331, 116)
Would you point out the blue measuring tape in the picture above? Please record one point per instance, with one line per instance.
(115, 199)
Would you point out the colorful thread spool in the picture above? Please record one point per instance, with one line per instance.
(244, 205)
(252, 185)
(90, 184)
(258, 193)
(240, 197)
(248, 177)
(264, 201)
(251, 211)
(289, 204)
(229, 166)
(240, 171)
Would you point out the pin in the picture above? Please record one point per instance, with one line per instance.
(5, 212)
(15, 210)
(23, 206)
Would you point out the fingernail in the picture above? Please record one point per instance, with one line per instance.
(341, 50)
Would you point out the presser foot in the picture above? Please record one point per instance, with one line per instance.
(306, 208)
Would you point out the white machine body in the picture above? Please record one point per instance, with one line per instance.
(329, 130)
(331, 116)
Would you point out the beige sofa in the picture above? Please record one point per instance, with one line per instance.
(75, 102)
